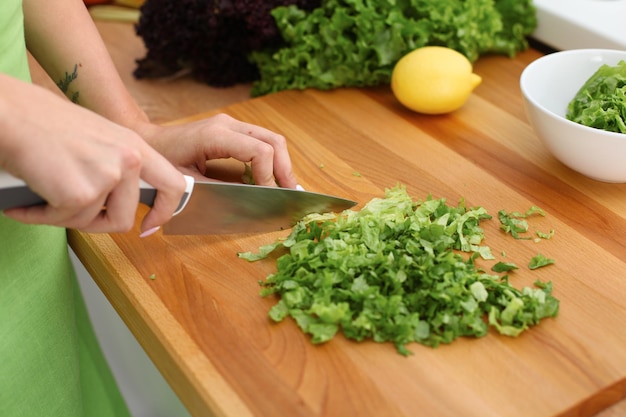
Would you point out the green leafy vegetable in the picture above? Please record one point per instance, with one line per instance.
(539, 261)
(515, 223)
(504, 267)
(542, 235)
(601, 101)
(357, 43)
(395, 271)
(287, 44)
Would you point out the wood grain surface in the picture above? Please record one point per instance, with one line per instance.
(196, 310)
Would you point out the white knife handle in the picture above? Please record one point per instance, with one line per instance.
(15, 193)
(147, 194)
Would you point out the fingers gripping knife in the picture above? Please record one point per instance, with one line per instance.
(212, 207)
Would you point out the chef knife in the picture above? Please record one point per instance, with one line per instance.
(212, 207)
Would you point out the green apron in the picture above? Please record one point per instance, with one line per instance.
(50, 361)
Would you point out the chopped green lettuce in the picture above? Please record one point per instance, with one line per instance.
(515, 223)
(504, 267)
(395, 271)
(546, 236)
(601, 101)
(539, 261)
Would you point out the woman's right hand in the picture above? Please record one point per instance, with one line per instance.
(86, 167)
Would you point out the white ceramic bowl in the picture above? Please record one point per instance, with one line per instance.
(548, 85)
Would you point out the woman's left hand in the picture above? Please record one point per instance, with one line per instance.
(189, 146)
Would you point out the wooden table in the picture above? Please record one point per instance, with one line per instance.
(196, 310)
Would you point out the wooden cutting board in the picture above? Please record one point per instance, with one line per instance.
(195, 307)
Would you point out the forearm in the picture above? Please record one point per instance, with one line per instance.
(61, 36)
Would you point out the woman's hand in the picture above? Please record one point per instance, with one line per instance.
(189, 146)
(82, 160)
(86, 167)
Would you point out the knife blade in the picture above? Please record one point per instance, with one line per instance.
(221, 208)
(212, 207)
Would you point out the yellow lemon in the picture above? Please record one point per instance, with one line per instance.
(433, 80)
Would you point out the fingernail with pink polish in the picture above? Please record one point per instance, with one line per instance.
(150, 232)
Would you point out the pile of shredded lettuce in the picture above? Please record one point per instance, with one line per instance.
(601, 101)
(357, 43)
(394, 272)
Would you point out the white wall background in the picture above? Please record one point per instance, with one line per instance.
(146, 392)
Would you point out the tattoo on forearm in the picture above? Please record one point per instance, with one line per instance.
(64, 84)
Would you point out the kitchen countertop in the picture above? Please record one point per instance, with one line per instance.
(196, 310)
